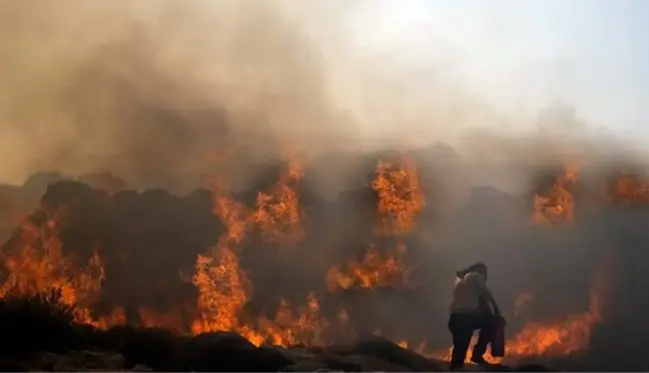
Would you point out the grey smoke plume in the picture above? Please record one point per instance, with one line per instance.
(160, 94)
(154, 92)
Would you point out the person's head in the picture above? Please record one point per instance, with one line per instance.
(478, 267)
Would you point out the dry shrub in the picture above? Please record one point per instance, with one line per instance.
(40, 322)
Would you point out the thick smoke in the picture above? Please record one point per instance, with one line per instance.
(124, 96)
(158, 93)
(154, 92)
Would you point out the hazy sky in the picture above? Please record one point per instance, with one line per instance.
(411, 70)
(519, 54)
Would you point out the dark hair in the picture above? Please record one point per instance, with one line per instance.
(476, 267)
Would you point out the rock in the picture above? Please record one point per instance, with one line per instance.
(505, 368)
(341, 363)
(296, 354)
(220, 351)
(219, 342)
(141, 368)
(103, 370)
(306, 366)
(391, 352)
(275, 358)
(64, 366)
(87, 360)
(102, 359)
(98, 370)
(496, 368)
(44, 360)
(13, 366)
(157, 348)
(364, 363)
(532, 368)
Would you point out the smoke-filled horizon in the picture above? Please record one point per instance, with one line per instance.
(159, 93)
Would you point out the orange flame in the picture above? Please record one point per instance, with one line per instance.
(401, 198)
(629, 189)
(559, 338)
(278, 214)
(557, 205)
(224, 288)
(39, 266)
(374, 270)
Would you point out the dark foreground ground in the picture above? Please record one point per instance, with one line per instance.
(215, 352)
(37, 334)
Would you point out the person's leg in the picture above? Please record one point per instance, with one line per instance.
(460, 328)
(486, 325)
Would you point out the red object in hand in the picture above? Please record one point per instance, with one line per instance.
(498, 342)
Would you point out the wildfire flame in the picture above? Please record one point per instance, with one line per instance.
(278, 212)
(40, 267)
(557, 205)
(629, 189)
(573, 333)
(567, 336)
(401, 198)
(224, 288)
(374, 270)
(550, 338)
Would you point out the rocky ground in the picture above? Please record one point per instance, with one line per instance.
(229, 352)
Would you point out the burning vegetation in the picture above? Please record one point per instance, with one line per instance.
(555, 202)
(80, 243)
(630, 189)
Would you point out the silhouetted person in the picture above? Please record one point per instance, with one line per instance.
(473, 308)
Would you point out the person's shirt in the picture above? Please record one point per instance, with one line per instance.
(467, 292)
